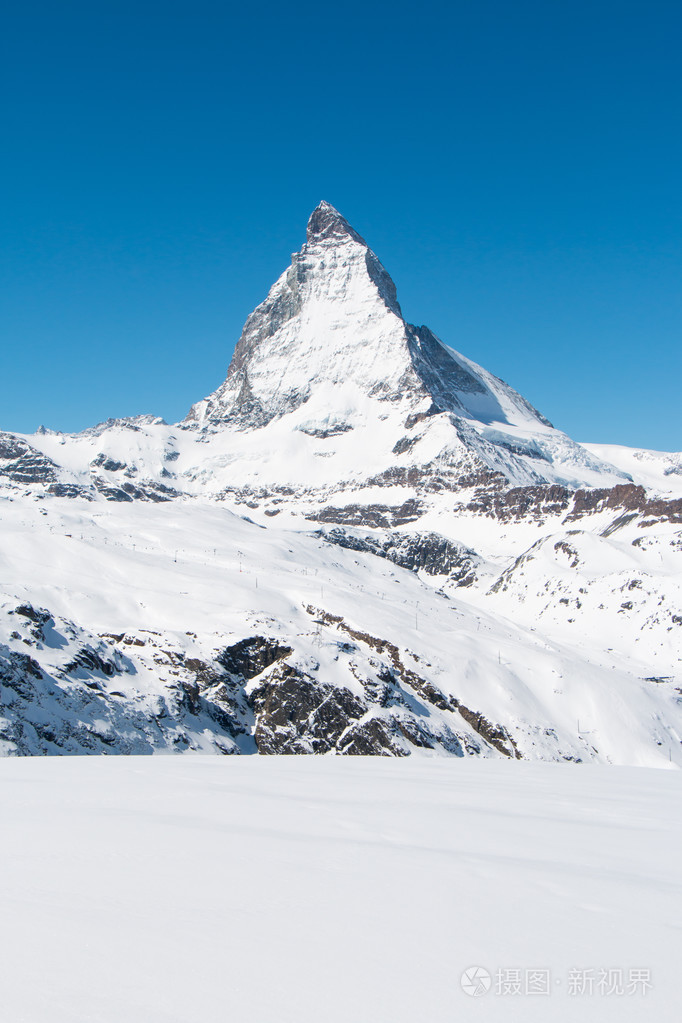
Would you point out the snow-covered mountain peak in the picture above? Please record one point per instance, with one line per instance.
(333, 320)
(329, 387)
(329, 352)
(326, 223)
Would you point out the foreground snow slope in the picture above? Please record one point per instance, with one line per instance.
(203, 889)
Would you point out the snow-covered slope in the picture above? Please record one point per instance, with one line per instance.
(362, 542)
(138, 627)
(658, 471)
(300, 890)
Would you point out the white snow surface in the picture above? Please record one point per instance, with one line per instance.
(291, 450)
(658, 471)
(200, 889)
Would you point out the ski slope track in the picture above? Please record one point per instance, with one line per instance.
(361, 542)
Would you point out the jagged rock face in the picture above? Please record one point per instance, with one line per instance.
(69, 691)
(428, 552)
(249, 657)
(23, 464)
(295, 713)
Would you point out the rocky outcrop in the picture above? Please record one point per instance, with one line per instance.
(296, 713)
(397, 675)
(22, 464)
(378, 516)
(69, 692)
(540, 502)
(628, 498)
(249, 657)
(427, 552)
(516, 503)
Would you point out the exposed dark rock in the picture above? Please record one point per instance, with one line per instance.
(440, 372)
(496, 735)
(16, 670)
(70, 490)
(325, 222)
(23, 464)
(38, 615)
(322, 433)
(429, 552)
(626, 496)
(193, 702)
(112, 493)
(379, 516)
(419, 417)
(371, 737)
(141, 491)
(250, 656)
(70, 711)
(618, 523)
(297, 714)
(384, 282)
(439, 478)
(103, 461)
(570, 551)
(90, 660)
(200, 668)
(404, 445)
(539, 501)
(533, 502)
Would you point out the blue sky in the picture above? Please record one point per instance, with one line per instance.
(515, 166)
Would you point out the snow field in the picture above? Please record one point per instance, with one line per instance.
(198, 889)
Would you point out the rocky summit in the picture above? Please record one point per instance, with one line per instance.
(361, 542)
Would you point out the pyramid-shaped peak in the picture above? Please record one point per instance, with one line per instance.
(331, 330)
(326, 223)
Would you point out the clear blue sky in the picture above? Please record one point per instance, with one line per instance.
(515, 165)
